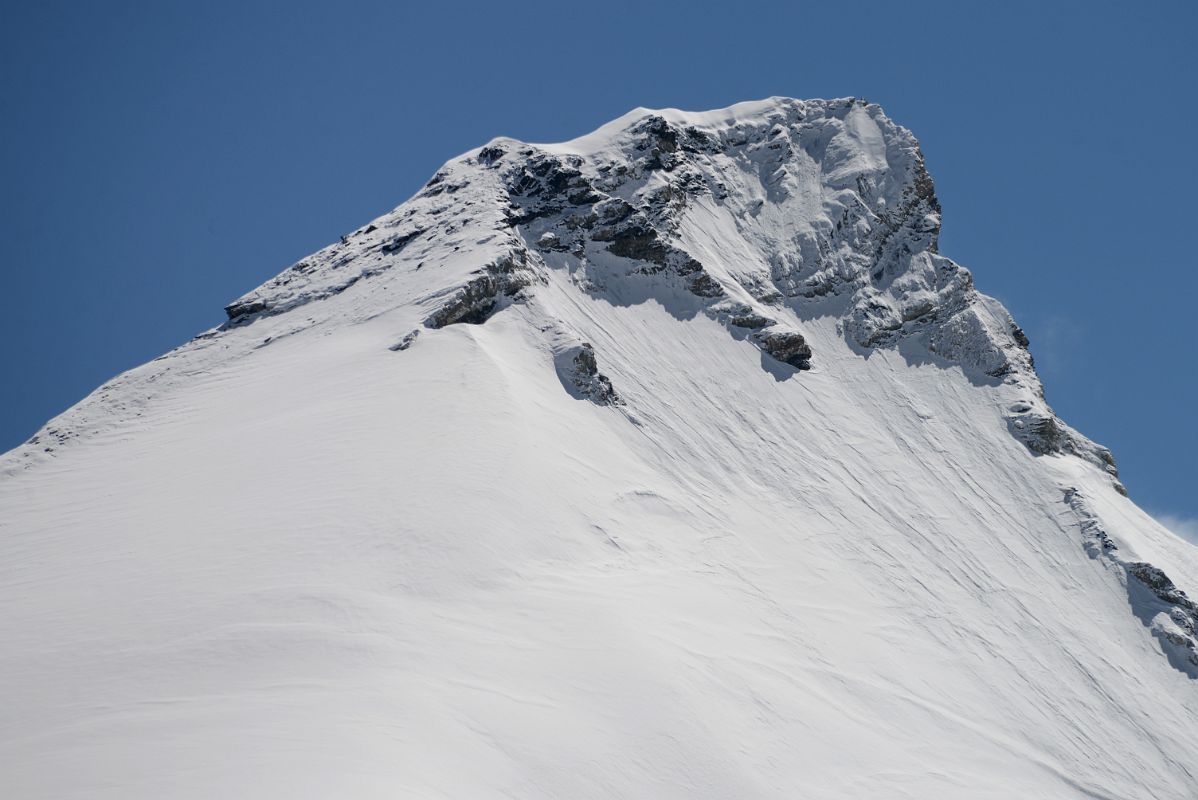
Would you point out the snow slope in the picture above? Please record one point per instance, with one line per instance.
(673, 461)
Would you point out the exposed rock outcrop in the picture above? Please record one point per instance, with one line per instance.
(407, 341)
(579, 372)
(497, 285)
(830, 205)
(1163, 608)
(787, 346)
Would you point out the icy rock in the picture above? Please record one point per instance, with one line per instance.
(787, 346)
(244, 308)
(749, 319)
(579, 372)
(475, 302)
(407, 341)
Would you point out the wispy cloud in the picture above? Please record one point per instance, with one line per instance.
(1055, 343)
(1185, 527)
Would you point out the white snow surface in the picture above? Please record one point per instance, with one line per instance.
(306, 555)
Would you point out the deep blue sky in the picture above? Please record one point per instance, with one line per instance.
(160, 158)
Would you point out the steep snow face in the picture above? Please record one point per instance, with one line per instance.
(672, 461)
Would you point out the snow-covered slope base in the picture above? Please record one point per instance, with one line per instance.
(671, 462)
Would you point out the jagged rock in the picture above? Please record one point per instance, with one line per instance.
(481, 297)
(1155, 579)
(786, 346)
(551, 241)
(244, 308)
(1174, 619)
(579, 372)
(611, 211)
(490, 154)
(397, 243)
(472, 304)
(967, 337)
(1041, 434)
(750, 320)
(1180, 630)
(1097, 540)
(407, 341)
(635, 239)
(703, 285)
(1034, 424)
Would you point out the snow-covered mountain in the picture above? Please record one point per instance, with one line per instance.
(669, 462)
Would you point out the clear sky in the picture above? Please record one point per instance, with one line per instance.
(161, 158)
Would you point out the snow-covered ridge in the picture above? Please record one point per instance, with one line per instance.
(761, 215)
(671, 461)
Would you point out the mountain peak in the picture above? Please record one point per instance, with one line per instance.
(678, 446)
(759, 215)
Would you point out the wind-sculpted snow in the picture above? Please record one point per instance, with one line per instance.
(671, 461)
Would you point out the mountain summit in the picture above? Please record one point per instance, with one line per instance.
(671, 461)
